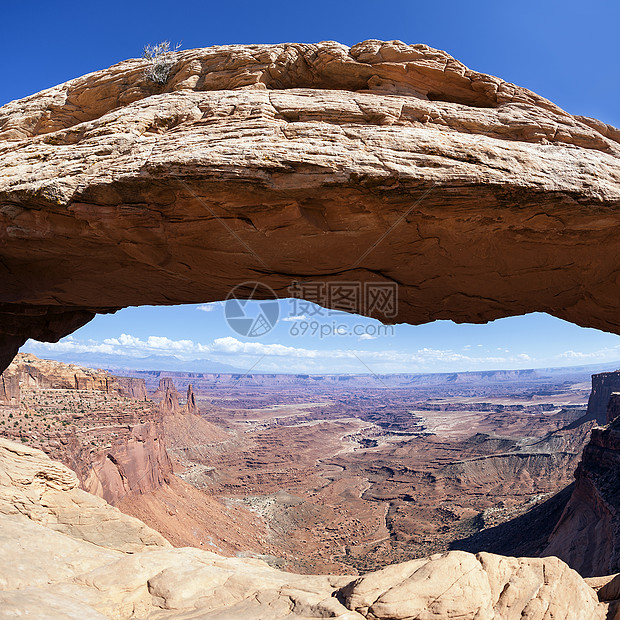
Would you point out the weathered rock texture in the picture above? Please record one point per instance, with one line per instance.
(46, 492)
(191, 407)
(613, 407)
(169, 404)
(166, 384)
(382, 162)
(73, 556)
(603, 385)
(587, 536)
(115, 450)
(138, 464)
(31, 373)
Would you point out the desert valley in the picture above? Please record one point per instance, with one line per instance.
(333, 474)
(316, 474)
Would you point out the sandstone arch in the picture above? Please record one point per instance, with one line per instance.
(381, 162)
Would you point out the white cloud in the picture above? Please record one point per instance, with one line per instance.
(209, 307)
(286, 358)
(301, 317)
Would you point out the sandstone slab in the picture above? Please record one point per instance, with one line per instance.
(382, 163)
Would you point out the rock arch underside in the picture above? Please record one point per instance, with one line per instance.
(382, 162)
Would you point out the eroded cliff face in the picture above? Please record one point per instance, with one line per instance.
(603, 385)
(383, 163)
(98, 424)
(587, 536)
(76, 556)
(137, 464)
(28, 372)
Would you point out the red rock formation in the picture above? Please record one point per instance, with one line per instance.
(169, 404)
(34, 373)
(587, 536)
(498, 202)
(136, 465)
(613, 407)
(166, 384)
(10, 392)
(603, 384)
(134, 459)
(132, 387)
(190, 406)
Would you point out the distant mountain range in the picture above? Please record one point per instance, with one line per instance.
(170, 363)
(152, 362)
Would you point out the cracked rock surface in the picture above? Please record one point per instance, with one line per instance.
(383, 162)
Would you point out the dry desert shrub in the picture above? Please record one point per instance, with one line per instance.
(161, 61)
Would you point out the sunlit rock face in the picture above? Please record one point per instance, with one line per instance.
(383, 162)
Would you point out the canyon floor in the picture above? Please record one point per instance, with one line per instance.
(357, 479)
(321, 478)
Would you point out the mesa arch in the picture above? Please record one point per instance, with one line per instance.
(381, 162)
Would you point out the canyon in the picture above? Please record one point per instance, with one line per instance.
(320, 477)
(299, 485)
(77, 556)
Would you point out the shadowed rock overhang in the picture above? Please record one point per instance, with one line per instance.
(383, 162)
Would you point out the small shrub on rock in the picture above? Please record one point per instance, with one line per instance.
(160, 57)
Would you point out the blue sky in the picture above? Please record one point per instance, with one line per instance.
(565, 51)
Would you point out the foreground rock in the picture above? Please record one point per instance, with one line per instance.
(44, 492)
(71, 555)
(290, 162)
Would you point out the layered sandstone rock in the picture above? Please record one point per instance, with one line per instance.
(168, 397)
(603, 385)
(36, 489)
(587, 536)
(166, 384)
(72, 555)
(27, 372)
(95, 424)
(169, 404)
(132, 387)
(139, 464)
(382, 163)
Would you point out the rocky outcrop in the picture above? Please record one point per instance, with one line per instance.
(384, 164)
(191, 408)
(72, 555)
(132, 387)
(169, 404)
(166, 384)
(139, 464)
(587, 536)
(10, 391)
(603, 385)
(106, 433)
(613, 407)
(168, 397)
(36, 490)
(28, 372)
